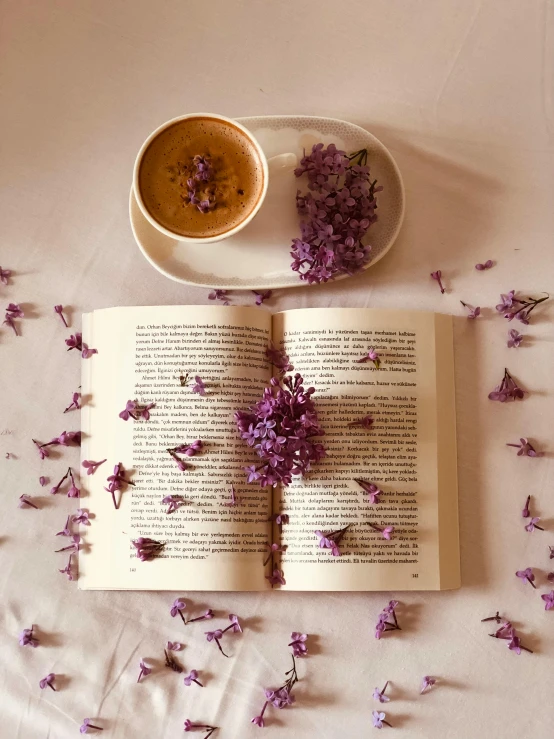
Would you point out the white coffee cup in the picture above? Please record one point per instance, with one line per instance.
(283, 160)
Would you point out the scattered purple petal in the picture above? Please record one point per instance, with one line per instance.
(199, 386)
(437, 276)
(192, 677)
(26, 638)
(379, 719)
(507, 390)
(487, 265)
(379, 695)
(4, 275)
(427, 683)
(263, 295)
(526, 449)
(48, 682)
(86, 725)
(144, 670)
(43, 480)
(59, 310)
(221, 295)
(91, 466)
(24, 501)
(548, 600)
(514, 338)
(147, 549)
(473, 312)
(532, 525)
(298, 644)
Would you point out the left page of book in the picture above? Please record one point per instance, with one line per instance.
(145, 354)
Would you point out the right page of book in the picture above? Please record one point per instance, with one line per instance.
(408, 451)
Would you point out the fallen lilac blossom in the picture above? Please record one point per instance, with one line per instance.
(144, 670)
(26, 638)
(437, 277)
(192, 677)
(86, 725)
(217, 634)
(136, 411)
(507, 632)
(199, 386)
(262, 296)
(190, 726)
(82, 516)
(332, 539)
(4, 275)
(43, 480)
(528, 575)
(117, 482)
(278, 697)
(174, 646)
(277, 577)
(379, 719)
(514, 338)
(25, 500)
(178, 607)
(383, 624)
(427, 683)
(13, 311)
(366, 422)
(59, 310)
(206, 616)
(66, 530)
(548, 600)
(371, 356)
(486, 265)
(525, 448)
(532, 525)
(221, 295)
(91, 466)
(67, 569)
(385, 531)
(298, 644)
(47, 682)
(379, 695)
(147, 549)
(73, 547)
(273, 549)
(513, 307)
(507, 390)
(473, 312)
(370, 488)
(174, 502)
(525, 510)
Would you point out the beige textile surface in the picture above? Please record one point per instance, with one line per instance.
(461, 92)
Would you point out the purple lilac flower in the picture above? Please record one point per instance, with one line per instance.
(532, 525)
(144, 670)
(525, 511)
(514, 338)
(487, 265)
(13, 311)
(366, 422)
(25, 500)
(520, 308)
(548, 600)
(174, 646)
(174, 502)
(279, 428)
(59, 310)
(26, 638)
(383, 624)
(437, 276)
(379, 719)
(263, 295)
(117, 482)
(332, 539)
(217, 634)
(189, 726)
(370, 488)
(86, 725)
(134, 410)
(525, 448)
(206, 616)
(82, 516)
(280, 519)
(473, 312)
(273, 549)
(65, 531)
(233, 501)
(507, 390)
(298, 644)
(221, 295)
(4, 275)
(199, 386)
(147, 549)
(528, 575)
(427, 683)
(339, 208)
(371, 356)
(91, 466)
(278, 358)
(379, 695)
(74, 402)
(277, 577)
(189, 450)
(192, 678)
(47, 682)
(178, 607)
(67, 569)
(278, 697)
(386, 531)
(75, 341)
(506, 631)
(43, 481)
(73, 547)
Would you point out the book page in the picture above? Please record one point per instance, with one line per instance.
(152, 355)
(399, 452)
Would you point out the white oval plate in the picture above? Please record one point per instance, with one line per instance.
(259, 256)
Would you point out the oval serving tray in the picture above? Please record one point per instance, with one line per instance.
(259, 256)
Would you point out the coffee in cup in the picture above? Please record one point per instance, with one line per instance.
(200, 177)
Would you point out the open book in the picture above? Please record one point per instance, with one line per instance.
(409, 452)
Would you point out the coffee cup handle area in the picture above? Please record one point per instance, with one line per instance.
(282, 161)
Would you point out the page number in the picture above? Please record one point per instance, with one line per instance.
(414, 574)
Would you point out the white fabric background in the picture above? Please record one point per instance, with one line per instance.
(461, 92)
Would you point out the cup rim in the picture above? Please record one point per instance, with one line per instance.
(199, 239)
